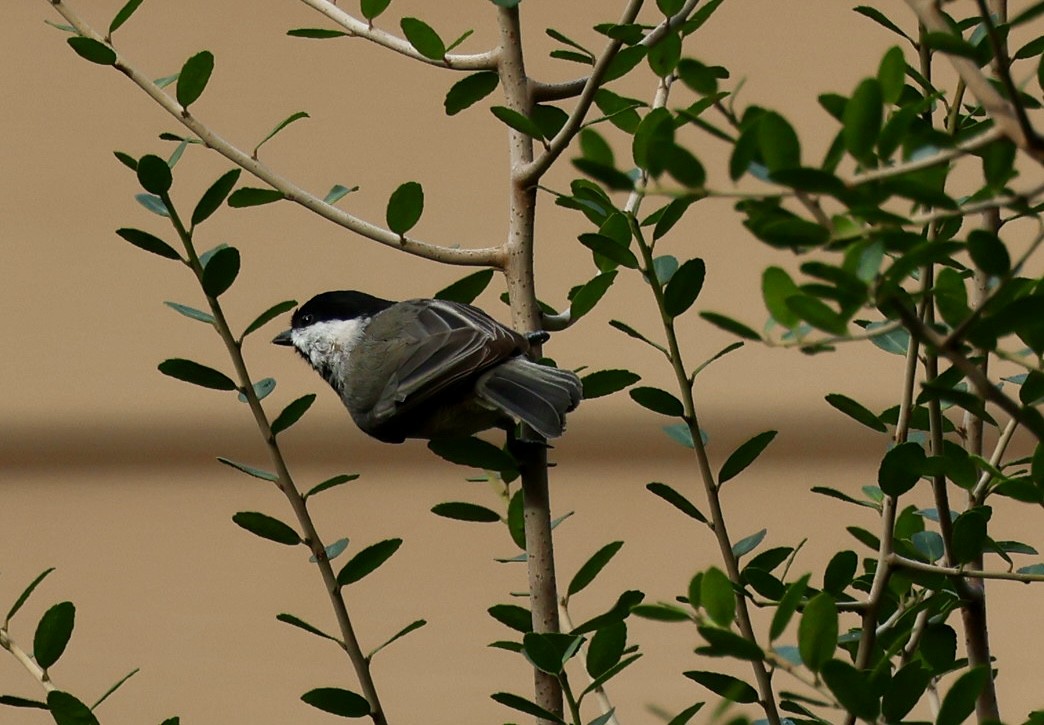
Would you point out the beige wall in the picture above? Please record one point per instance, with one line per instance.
(106, 466)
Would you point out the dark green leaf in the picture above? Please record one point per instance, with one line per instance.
(67, 710)
(624, 61)
(292, 413)
(123, 15)
(405, 207)
(717, 597)
(25, 595)
(613, 178)
(592, 567)
(516, 702)
(513, 616)
(605, 382)
(301, 624)
(748, 543)
(685, 286)
(817, 631)
(959, 702)
(969, 535)
(317, 33)
(663, 57)
(661, 612)
(744, 456)
(617, 613)
(852, 689)
(880, 18)
(780, 148)
(194, 76)
(266, 527)
(606, 648)
(519, 122)
(154, 174)
(989, 253)
(674, 498)
(53, 633)
(15, 701)
(840, 572)
(336, 701)
(816, 181)
(93, 50)
(776, 288)
(951, 44)
(423, 37)
(268, 315)
(817, 313)
(214, 196)
(330, 483)
(725, 643)
(279, 127)
(470, 90)
(857, 411)
(615, 252)
(588, 295)
(411, 627)
(901, 468)
(193, 372)
(787, 606)
(370, 9)
(683, 717)
(126, 159)
(220, 271)
(730, 325)
(250, 196)
(658, 401)
(148, 242)
(467, 288)
(367, 561)
(862, 118)
(726, 686)
(549, 652)
(631, 332)
(473, 452)
(464, 511)
(905, 690)
(891, 74)
(549, 119)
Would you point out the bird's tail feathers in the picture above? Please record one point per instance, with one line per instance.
(537, 395)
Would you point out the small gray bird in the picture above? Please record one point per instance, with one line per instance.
(428, 368)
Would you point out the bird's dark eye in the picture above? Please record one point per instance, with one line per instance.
(307, 320)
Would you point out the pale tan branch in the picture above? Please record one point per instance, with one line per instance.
(26, 660)
(956, 571)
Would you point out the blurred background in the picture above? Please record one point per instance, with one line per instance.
(108, 468)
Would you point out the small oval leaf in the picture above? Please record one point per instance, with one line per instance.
(53, 633)
(367, 561)
(197, 374)
(194, 76)
(405, 207)
(267, 527)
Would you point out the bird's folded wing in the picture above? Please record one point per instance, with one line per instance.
(443, 343)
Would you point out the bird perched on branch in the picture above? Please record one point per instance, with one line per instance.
(428, 368)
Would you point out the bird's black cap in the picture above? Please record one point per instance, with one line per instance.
(336, 305)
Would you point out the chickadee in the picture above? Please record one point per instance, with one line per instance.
(428, 368)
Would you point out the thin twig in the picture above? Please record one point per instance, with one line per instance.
(26, 660)
(960, 572)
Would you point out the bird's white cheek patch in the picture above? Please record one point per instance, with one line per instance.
(328, 343)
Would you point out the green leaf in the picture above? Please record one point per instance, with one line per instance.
(881, 19)
(336, 701)
(748, 543)
(610, 249)
(744, 456)
(779, 144)
(857, 411)
(473, 452)
(123, 15)
(251, 196)
(25, 595)
(787, 606)
(617, 613)
(726, 686)
(193, 372)
(191, 312)
(215, 196)
(338, 192)
(683, 717)
(606, 648)
(262, 389)
(279, 127)
(950, 44)
(817, 313)
(53, 633)
(423, 38)
(93, 50)
(67, 710)
(658, 401)
(663, 57)
(301, 624)
(675, 499)
(988, 253)
(685, 286)
(631, 332)
(901, 468)
(549, 652)
(148, 242)
(905, 690)
(969, 535)
(717, 597)
(817, 631)
(194, 76)
(592, 567)
(317, 33)
(588, 295)
(891, 74)
(405, 207)
(466, 289)
(330, 483)
(367, 561)
(840, 572)
(519, 122)
(370, 9)
(411, 627)
(959, 702)
(624, 61)
(464, 511)
(292, 413)
(516, 702)
(266, 527)
(14, 700)
(154, 174)
(268, 315)
(611, 177)
(153, 204)
(605, 382)
(725, 643)
(776, 288)
(470, 90)
(220, 271)
(680, 433)
(862, 118)
(331, 551)
(513, 616)
(730, 325)
(852, 689)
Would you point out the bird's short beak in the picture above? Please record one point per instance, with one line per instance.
(283, 338)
